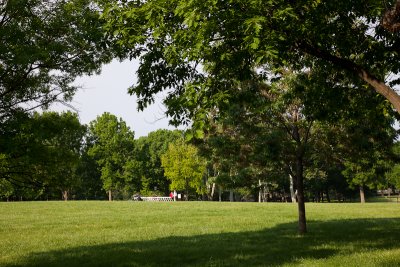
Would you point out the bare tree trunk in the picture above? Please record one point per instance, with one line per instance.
(109, 195)
(219, 194)
(65, 195)
(292, 192)
(259, 192)
(212, 191)
(362, 194)
(231, 195)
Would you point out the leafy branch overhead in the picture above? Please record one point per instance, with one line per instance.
(44, 46)
(202, 44)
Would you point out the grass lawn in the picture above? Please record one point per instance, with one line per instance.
(87, 233)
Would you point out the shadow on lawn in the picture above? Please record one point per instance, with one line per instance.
(274, 246)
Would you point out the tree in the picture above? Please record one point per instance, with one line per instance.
(40, 153)
(64, 148)
(198, 50)
(365, 150)
(184, 167)
(112, 144)
(89, 183)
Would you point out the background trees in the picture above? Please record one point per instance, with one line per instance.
(393, 173)
(40, 156)
(184, 167)
(147, 153)
(112, 143)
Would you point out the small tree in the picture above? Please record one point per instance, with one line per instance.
(184, 167)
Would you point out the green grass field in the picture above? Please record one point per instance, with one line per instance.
(197, 234)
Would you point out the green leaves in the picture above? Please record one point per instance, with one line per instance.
(147, 155)
(184, 167)
(44, 47)
(40, 153)
(254, 25)
(112, 145)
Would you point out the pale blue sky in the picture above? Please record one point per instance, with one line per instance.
(107, 92)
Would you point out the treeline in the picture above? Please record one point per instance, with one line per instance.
(52, 156)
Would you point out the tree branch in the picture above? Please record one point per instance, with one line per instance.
(358, 70)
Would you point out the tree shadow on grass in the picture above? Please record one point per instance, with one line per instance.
(269, 247)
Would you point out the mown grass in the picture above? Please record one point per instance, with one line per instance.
(393, 198)
(197, 234)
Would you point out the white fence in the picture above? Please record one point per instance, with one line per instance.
(157, 199)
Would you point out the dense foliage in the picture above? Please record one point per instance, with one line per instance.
(184, 167)
(44, 46)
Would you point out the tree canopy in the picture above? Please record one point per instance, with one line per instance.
(112, 143)
(40, 152)
(44, 46)
(184, 167)
(235, 38)
(147, 154)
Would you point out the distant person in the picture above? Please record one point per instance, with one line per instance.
(171, 195)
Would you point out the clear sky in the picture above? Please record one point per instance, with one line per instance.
(107, 92)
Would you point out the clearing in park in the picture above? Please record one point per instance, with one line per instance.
(197, 234)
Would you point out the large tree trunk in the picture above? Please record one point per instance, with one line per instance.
(292, 192)
(362, 194)
(300, 196)
(109, 195)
